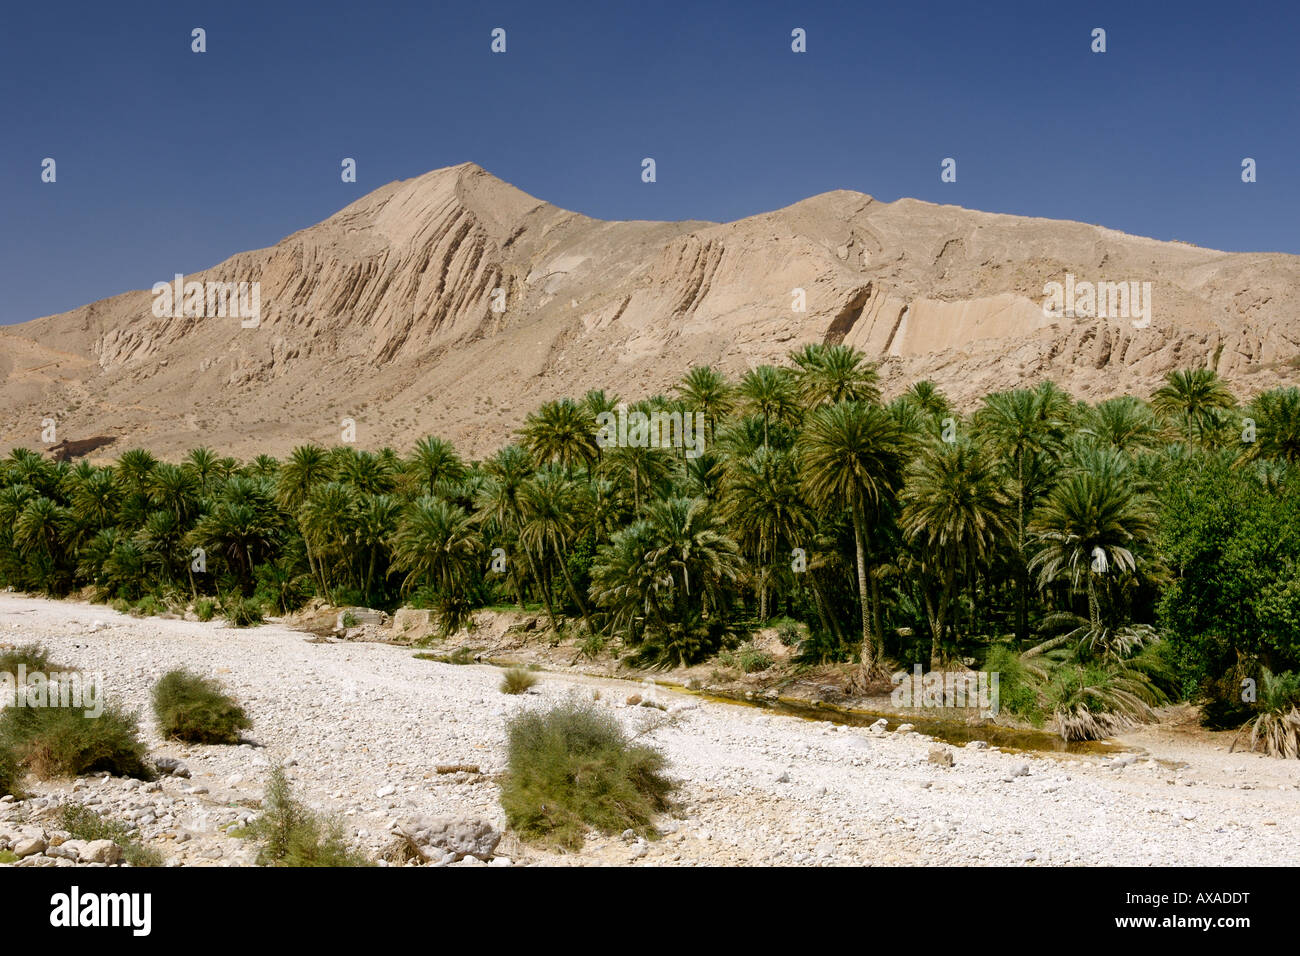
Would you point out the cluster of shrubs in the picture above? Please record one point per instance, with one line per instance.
(71, 741)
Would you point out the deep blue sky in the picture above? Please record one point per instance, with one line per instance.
(170, 161)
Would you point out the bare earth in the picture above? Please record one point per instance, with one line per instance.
(353, 720)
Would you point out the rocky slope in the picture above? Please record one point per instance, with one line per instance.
(387, 313)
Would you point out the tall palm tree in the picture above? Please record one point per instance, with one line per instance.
(769, 392)
(307, 466)
(1028, 427)
(1124, 423)
(435, 460)
(852, 458)
(834, 373)
(1277, 425)
(203, 463)
(560, 432)
(1192, 396)
(437, 543)
(955, 509)
(767, 513)
(497, 502)
(327, 517)
(1092, 525)
(707, 391)
(551, 507)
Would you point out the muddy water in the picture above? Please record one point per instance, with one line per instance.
(956, 732)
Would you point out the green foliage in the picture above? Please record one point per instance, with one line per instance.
(241, 611)
(205, 609)
(787, 632)
(33, 656)
(293, 835)
(751, 659)
(1018, 689)
(196, 710)
(572, 768)
(11, 773)
(516, 680)
(83, 823)
(65, 742)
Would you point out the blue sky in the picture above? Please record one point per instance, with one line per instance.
(170, 161)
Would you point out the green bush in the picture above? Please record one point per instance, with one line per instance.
(750, 659)
(194, 709)
(1018, 690)
(242, 612)
(573, 768)
(205, 608)
(11, 774)
(84, 823)
(34, 656)
(148, 606)
(516, 680)
(787, 632)
(292, 835)
(120, 605)
(63, 741)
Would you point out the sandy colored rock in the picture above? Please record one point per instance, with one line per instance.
(384, 313)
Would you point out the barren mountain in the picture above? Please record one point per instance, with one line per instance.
(386, 313)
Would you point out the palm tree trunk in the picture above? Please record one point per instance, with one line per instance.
(869, 663)
(573, 591)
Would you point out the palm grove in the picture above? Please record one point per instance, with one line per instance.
(1104, 559)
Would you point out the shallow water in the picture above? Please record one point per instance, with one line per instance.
(948, 730)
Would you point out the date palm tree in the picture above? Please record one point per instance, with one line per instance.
(828, 374)
(434, 461)
(1124, 424)
(437, 544)
(1028, 428)
(1192, 397)
(767, 514)
(1091, 527)
(852, 458)
(955, 510)
(560, 432)
(551, 508)
(1277, 425)
(769, 392)
(705, 390)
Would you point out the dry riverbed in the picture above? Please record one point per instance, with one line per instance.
(363, 728)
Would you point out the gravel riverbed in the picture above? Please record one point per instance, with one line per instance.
(362, 728)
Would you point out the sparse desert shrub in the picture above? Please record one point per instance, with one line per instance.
(241, 611)
(591, 645)
(34, 656)
(751, 659)
(84, 823)
(573, 767)
(11, 774)
(195, 709)
(205, 608)
(516, 680)
(148, 606)
(292, 835)
(349, 619)
(63, 741)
